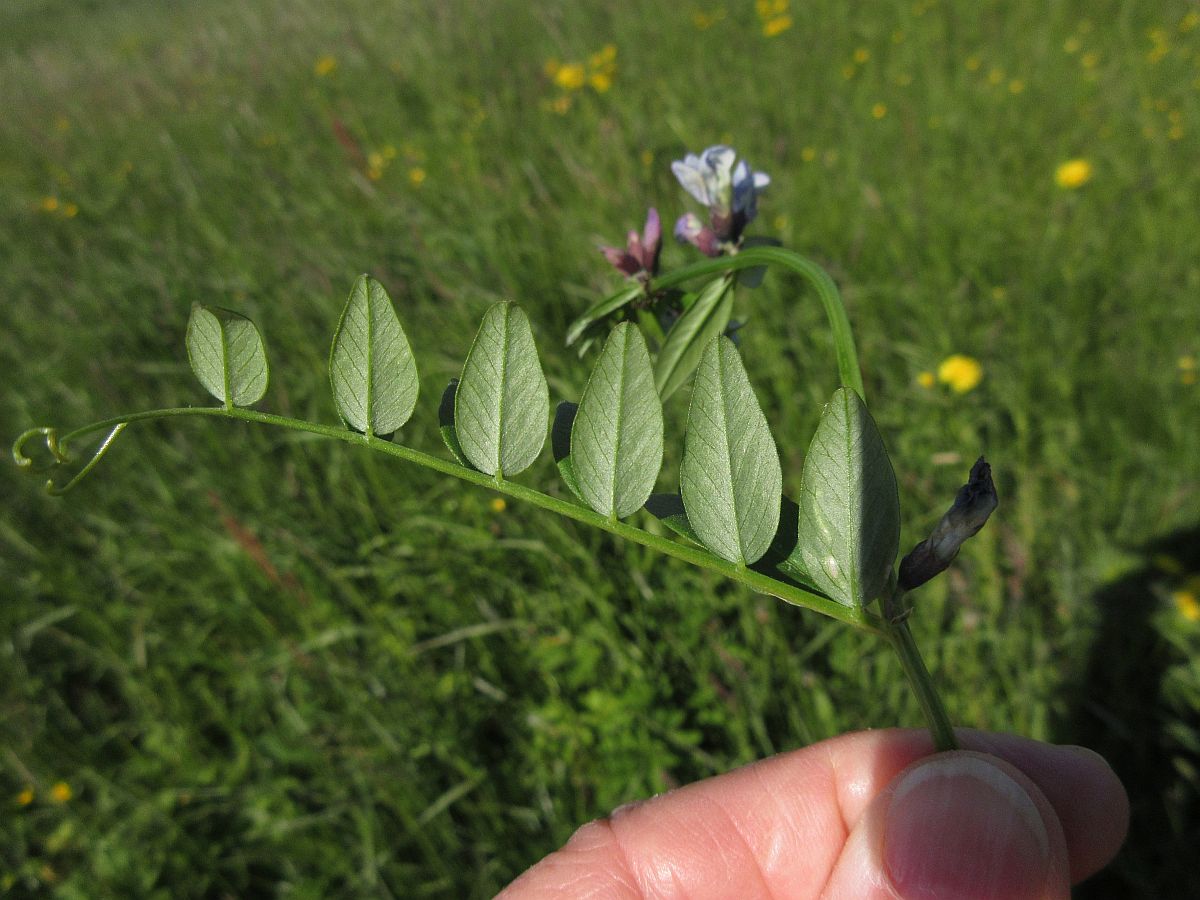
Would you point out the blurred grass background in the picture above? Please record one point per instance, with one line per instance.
(243, 663)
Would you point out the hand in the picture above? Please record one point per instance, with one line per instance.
(862, 816)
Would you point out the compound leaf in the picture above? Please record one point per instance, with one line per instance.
(849, 519)
(227, 354)
(502, 406)
(371, 366)
(730, 477)
(617, 436)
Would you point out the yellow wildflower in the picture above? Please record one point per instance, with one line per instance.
(416, 176)
(25, 797)
(973, 63)
(1187, 369)
(70, 210)
(879, 110)
(603, 57)
(49, 204)
(861, 55)
(62, 124)
(1074, 173)
(995, 76)
(1089, 60)
(808, 154)
(570, 77)
(498, 505)
(961, 373)
(926, 379)
(777, 26)
(1016, 86)
(324, 66)
(1187, 604)
(61, 792)
(1071, 45)
(1190, 21)
(600, 81)
(647, 158)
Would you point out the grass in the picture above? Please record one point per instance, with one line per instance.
(267, 665)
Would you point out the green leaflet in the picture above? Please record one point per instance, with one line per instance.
(617, 436)
(446, 423)
(371, 366)
(560, 444)
(730, 477)
(604, 308)
(227, 354)
(668, 509)
(502, 406)
(687, 339)
(849, 527)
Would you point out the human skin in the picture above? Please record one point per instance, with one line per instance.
(875, 814)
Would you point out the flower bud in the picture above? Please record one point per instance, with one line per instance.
(974, 503)
(640, 256)
(690, 230)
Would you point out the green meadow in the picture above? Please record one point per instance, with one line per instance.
(239, 662)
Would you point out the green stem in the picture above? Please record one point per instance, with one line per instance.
(756, 581)
(901, 639)
(827, 293)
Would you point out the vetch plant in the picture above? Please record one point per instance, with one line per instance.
(832, 550)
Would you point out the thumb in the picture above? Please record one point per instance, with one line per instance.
(960, 824)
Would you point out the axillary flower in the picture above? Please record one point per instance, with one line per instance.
(641, 250)
(728, 187)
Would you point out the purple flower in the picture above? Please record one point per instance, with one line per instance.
(690, 230)
(727, 186)
(641, 251)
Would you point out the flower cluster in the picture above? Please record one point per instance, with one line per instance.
(725, 185)
(728, 187)
(569, 77)
(774, 16)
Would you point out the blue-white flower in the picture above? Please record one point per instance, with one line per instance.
(708, 177)
(727, 186)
